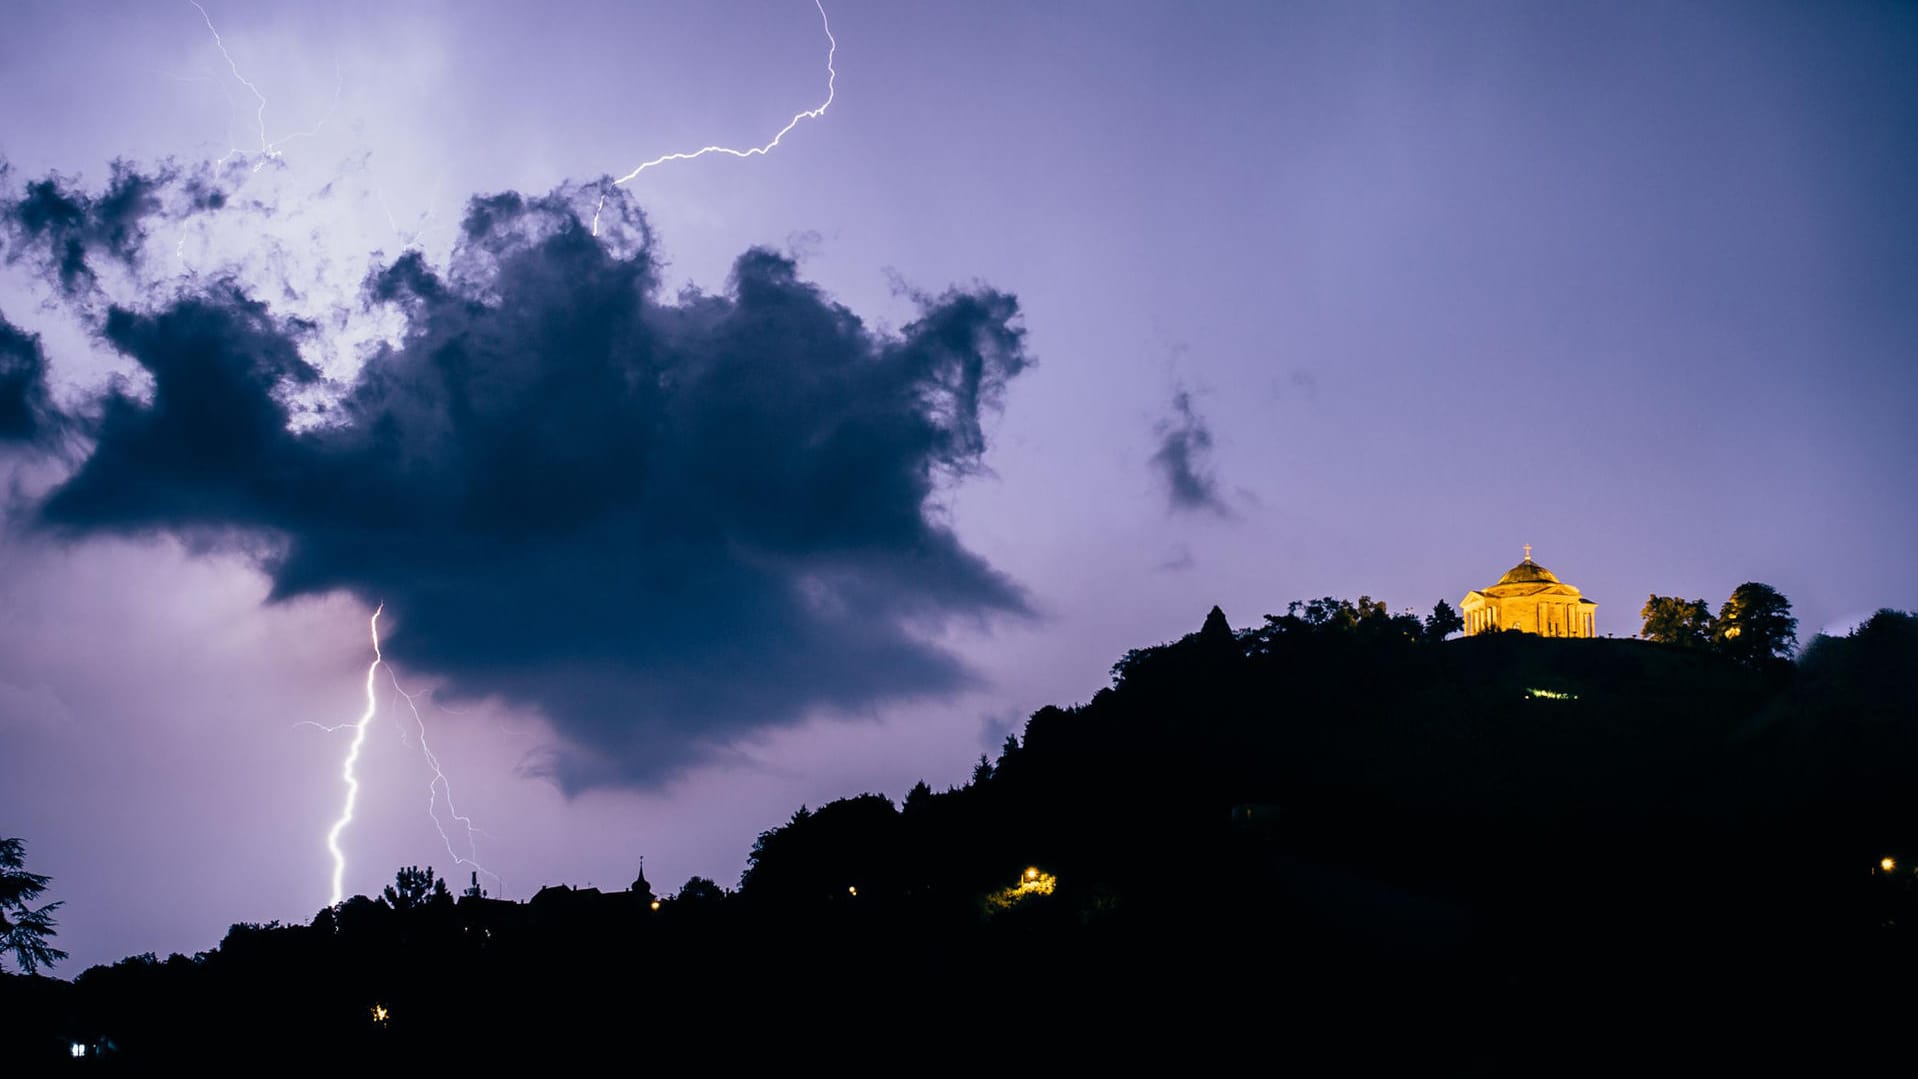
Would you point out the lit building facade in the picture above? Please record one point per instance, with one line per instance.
(1530, 599)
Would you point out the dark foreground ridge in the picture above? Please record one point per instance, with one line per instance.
(1336, 833)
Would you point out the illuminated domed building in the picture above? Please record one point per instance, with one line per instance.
(1529, 598)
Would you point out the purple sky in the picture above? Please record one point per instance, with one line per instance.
(1634, 285)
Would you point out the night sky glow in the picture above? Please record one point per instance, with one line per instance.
(697, 492)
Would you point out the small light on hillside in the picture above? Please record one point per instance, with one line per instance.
(1887, 864)
(1032, 882)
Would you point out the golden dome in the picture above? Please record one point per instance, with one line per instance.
(1528, 572)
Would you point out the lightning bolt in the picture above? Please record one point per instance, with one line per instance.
(441, 784)
(353, 758)
(832, 76)
(269, 148)
(411, 239)
(436, 788)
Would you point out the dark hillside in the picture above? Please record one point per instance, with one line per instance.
(1308, 830)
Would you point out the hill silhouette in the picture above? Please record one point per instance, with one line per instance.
(1282, 836)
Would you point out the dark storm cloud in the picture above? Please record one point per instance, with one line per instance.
(663, 524)
(64, 231)
(1184, 459)
(27, 415)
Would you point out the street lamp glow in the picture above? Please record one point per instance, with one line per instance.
(1887, 864)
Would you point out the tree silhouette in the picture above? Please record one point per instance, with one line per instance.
(1671, 620)
(24, 929)
(1861, 678)
(982, 771)
(1442, 622)
(1216, 632)
(413, 888)
(700, 891)
(1755, 626)
(918, 798)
